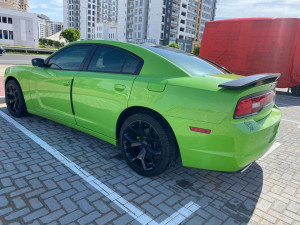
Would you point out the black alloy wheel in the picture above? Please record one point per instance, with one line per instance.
(146, 146)
(14, 99)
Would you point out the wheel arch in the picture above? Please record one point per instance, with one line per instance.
(11, 78)
(140, 109)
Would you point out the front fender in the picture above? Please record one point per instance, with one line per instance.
(22, 75)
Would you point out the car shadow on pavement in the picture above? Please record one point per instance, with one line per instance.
(230, 197)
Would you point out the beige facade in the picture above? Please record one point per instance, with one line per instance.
(21, 5)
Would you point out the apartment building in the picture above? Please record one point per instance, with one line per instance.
(21, 5)
(47, 27)
(96, 19)
(18, 28)
(164, 21)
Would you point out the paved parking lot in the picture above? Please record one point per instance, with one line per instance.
(50, 173)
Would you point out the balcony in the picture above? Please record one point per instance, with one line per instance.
(193, 5)
(191, 20)
(173, 31)
(130, 21)
(172, 39)
(130, 6)
(174, 22)
(190, 27)
(192, 12)
(175, 14)
(176, 6)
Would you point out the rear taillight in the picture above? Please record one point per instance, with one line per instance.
(251, 105)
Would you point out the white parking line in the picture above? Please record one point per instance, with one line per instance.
(279, 103)
(273, 147)
(129, 208)
(291, 121)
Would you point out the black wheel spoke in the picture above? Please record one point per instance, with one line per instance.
(153, 151)
(144, 164)
(133, 159)
(142, 145)
(12, 95)
(133, 142)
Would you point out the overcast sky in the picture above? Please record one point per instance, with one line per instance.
(257, 8)
(225, 8)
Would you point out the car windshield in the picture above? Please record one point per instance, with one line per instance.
(193, 65)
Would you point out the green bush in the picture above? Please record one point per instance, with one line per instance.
(174, 45)
(196, 50)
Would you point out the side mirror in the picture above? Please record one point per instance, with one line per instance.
(38, 62)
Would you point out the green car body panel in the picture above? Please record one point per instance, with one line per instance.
(98, 100)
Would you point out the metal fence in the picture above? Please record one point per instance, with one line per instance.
(29, 50)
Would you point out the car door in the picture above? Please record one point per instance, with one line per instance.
(101, 92)
(51, 84)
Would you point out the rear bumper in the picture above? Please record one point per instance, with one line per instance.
(232, 144)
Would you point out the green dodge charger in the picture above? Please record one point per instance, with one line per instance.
(155, 102)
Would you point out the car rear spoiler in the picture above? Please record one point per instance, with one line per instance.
(252, 80)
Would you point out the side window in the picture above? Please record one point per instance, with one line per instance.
(130, 65)
(69, 59)
(107, 60)
(113, 60)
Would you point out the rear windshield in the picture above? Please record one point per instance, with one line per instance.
(188, 62)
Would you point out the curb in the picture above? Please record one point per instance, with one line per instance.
(2, 99)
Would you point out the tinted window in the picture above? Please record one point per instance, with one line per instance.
(70, 58)
(188, 62)
(130, 65)
(107, 60)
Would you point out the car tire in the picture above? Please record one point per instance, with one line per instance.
(296, 91)
(147, 145)
(14, 99)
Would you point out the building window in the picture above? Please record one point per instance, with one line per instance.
(161, 36)
(9, 20)
(141, 2)
(4, 19)
(11, 35)
(1, 33)
(5, 34)
(140, 19)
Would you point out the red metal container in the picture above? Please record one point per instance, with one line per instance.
(255, 45)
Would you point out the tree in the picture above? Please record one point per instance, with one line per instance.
(174, 45)
(56, 44)
(71, 34)
(43, 41)
(196, 50)
(50, 42)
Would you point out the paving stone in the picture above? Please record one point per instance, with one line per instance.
(35, 203)
(36, 188)
(71, 217)
(68, 205)
(52, 204)
(19, 202)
